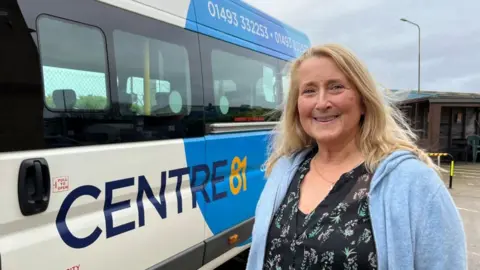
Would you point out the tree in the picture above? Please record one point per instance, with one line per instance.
(89, 102)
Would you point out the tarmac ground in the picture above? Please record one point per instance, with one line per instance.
(466, 194)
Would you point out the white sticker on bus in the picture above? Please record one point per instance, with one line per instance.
(60, 184)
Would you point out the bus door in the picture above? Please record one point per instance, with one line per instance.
(240, 85)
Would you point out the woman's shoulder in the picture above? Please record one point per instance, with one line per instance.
(403, 169)
(419, 204)
(417, 173)
(408, 181)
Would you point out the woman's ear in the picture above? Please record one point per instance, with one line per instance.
(364, 108)
(362, 113)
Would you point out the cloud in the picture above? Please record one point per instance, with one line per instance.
(450, 37)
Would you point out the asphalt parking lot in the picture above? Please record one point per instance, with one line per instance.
(466, 194)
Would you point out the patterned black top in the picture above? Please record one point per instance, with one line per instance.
(336, 235)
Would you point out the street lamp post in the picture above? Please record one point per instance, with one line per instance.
(418, 90)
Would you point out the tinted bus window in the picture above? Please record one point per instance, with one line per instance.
(255, 82)
(158, 74)
(74, 65)
(242, 84)
(285, 77)
(159, 83)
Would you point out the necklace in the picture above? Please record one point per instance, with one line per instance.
(332, 184)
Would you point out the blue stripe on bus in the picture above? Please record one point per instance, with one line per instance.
(191, 22)
(245, 44)
(238, 23)
(229, 203)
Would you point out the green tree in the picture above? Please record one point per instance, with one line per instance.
(89, 102)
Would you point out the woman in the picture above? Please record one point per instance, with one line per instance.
(347, 187)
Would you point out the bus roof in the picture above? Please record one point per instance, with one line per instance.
(233, 21)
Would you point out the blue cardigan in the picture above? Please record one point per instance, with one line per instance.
(415, 222)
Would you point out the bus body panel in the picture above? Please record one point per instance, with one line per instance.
(121, 177)
(173, 12)
(241, 190)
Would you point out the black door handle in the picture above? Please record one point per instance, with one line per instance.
(33, 186)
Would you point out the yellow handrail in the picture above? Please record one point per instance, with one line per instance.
(146, 80)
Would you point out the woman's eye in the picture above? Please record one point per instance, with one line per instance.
(308, 91)
(336, 87)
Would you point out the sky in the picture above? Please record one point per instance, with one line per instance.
(450, 37)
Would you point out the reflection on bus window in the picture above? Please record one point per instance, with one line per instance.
(265, 87)
(241, 82)
(135, 88)
(74, 65)
(158, 75)
(285, 86)
(285, 79)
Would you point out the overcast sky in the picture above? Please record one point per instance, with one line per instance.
(450, 37)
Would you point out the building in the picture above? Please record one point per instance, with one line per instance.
(445, 120)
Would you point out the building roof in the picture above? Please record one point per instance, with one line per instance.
(437, 97)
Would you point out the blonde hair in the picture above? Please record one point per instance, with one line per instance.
(384, 128)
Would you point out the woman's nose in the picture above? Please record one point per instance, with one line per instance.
(322, 101)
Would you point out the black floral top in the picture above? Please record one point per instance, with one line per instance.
(336, 235)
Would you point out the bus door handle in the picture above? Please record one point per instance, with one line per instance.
(33, 186)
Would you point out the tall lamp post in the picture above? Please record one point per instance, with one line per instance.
(418, 90)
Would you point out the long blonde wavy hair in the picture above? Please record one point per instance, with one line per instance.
(384, 128)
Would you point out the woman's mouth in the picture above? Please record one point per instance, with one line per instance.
(325, 119)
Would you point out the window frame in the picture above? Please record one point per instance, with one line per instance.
(109, 101)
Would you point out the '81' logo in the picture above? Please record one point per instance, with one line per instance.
(238, 178)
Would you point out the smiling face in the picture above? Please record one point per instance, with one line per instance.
(329, 107)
